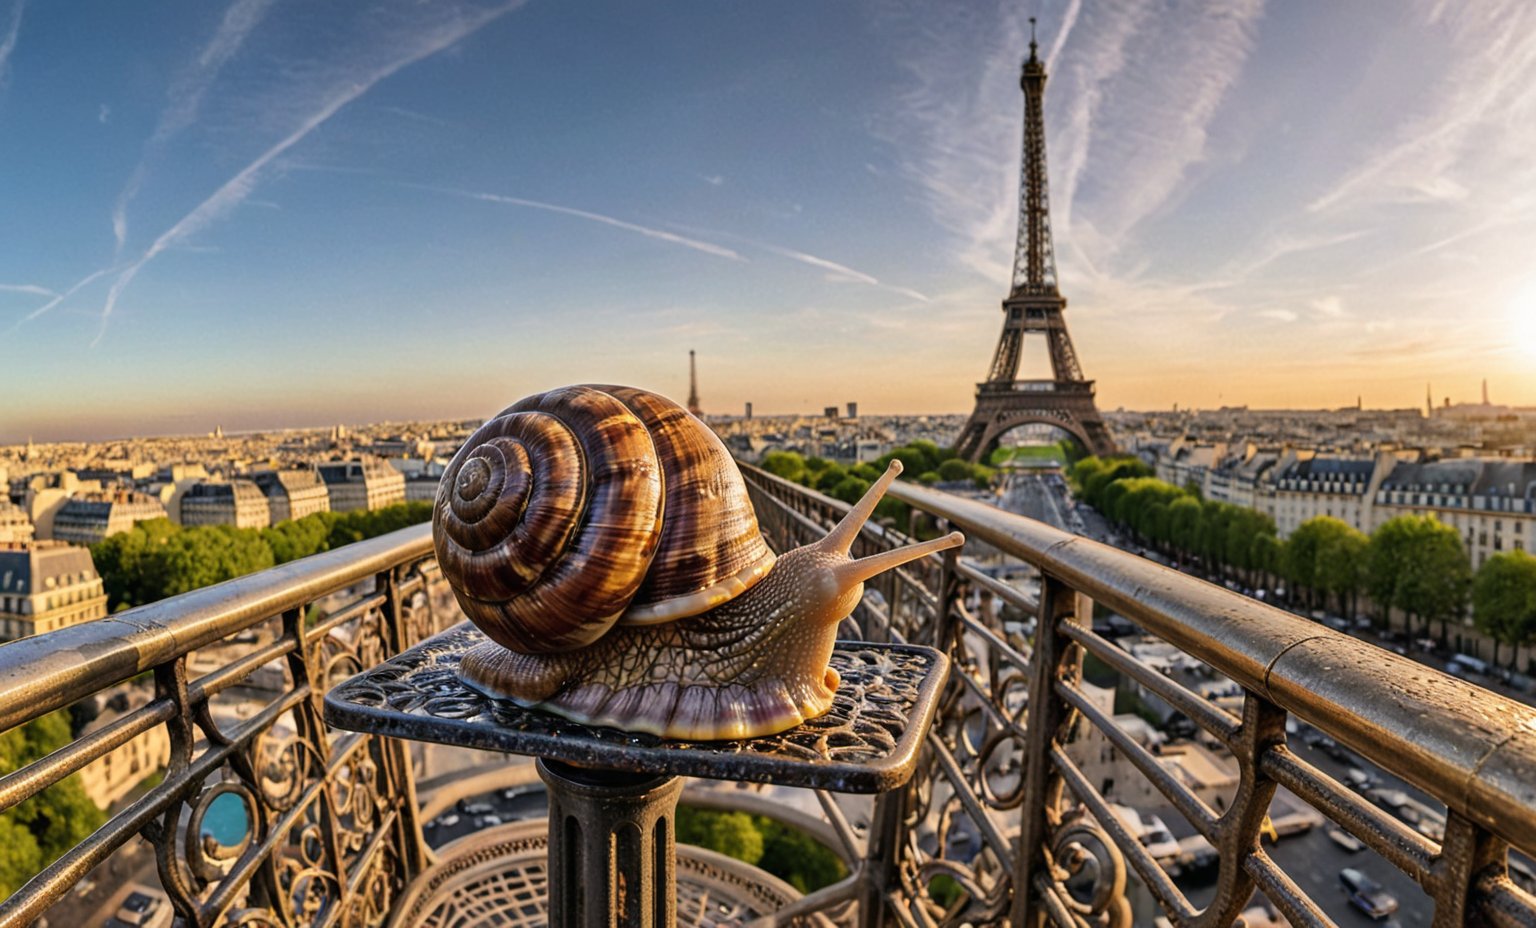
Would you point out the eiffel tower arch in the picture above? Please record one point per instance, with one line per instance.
(1034, 306)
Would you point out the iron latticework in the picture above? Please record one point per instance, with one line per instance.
(1034, 304)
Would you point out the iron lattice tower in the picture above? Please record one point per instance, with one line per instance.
(693, 387)
(1034, 304)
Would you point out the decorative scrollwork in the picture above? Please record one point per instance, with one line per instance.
(1089, 873)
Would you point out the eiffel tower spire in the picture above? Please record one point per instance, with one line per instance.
(1034, 305)
(1034, 258)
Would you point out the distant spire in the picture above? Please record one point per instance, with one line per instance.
(1032, 44)
(1485, 392)
(1429, 400)
(693, 386)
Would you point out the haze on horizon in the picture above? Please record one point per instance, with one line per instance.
(264, 212)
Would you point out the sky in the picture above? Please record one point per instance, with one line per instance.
(269, 213)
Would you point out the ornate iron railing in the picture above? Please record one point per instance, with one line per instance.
(1000, 826)
(1051, 850)
(331, 835)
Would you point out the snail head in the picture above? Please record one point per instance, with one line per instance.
(832, 581)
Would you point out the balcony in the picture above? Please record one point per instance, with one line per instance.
(999, 826)
(1075, 387)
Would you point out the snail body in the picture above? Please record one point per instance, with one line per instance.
(603, 540)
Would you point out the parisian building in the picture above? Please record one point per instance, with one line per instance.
(292, 494)
(236, 502)
(14, 523)
(361, 484)
(47, 585)
(90, 517)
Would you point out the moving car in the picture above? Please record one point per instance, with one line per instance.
(1366, 894)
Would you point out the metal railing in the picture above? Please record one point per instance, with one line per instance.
(1000, 826)
(330, 830)
(999, 763)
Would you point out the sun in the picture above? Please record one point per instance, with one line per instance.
(1522, 320)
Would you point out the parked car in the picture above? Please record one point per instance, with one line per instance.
(1359, 779)
(146, 909)
(1467, 664)
(1344, 839)
(475, 808)
(1366, 894)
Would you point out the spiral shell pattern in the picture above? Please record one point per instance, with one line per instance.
(584, 506)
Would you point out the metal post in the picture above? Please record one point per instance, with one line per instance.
(881, 857)
(1047, 714)
(611, 847)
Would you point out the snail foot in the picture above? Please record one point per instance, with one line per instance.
(698, 712)
(526, 679)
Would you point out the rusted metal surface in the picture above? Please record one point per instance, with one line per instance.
(866, 743)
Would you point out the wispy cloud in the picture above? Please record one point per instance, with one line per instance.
(840, 272)
(1482, 105)
(835, 271)
(661, 235)
(185, 97)
(414, 115)
(1279, 315)
(1285, 245)
(8, 44)
(425, 42)
(1129, 104)
(32, 289)
(1331, 307)
(714, 180)
(59, 298)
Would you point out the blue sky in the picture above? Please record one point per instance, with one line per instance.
(271, 212)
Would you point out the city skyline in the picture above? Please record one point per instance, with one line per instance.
(263, 215)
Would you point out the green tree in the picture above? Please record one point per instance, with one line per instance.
(1417, 564)
(35, 833)
(865, 471)
(1083, 471)
(850, 489)
(157, 558)
(955, 470)
(1504, 599)
(1341, 559)
(786, 464)
(786, 852)
(1184, 515)
(828, 477)
(733, 834)
(1298, 562)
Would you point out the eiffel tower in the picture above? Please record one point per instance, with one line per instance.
(1034, 304)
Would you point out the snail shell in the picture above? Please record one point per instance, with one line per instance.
(589, 505)
(603, 539)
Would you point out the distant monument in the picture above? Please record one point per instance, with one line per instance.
(693, 387)
(1034, 304)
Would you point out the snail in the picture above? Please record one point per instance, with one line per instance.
(602, 538)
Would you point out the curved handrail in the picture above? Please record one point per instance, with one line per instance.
(1473, 749)
(50, 671)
